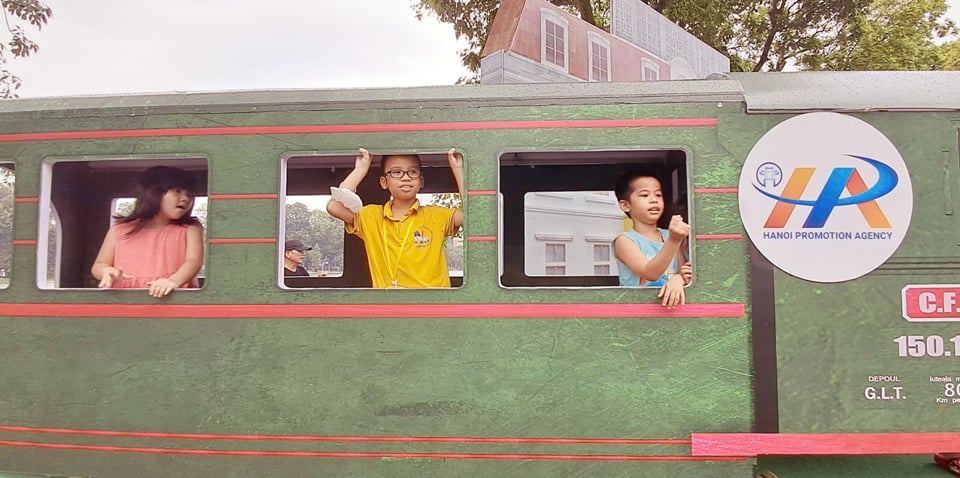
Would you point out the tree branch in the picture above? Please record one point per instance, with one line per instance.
(774, 15)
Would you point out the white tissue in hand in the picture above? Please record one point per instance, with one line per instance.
(348, 198)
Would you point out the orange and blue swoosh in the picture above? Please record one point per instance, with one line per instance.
(829, 198)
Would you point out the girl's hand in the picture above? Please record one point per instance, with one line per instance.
(455, 159)
(686, 272)
(364, 160)
(678, 229)
(110, 275)
(672, 292)
(161, 287)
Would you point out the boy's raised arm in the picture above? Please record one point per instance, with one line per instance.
(350, 183)
(456, 166)
(652, 269)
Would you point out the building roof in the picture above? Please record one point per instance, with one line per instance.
(504, 27)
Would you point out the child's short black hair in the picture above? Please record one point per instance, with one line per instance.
(383, 161)
(622, 188)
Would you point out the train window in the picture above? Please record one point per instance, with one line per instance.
(72, 191)
(559, 214)
(7, 180)
(332, 258)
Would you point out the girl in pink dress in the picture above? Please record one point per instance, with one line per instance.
(158, 246)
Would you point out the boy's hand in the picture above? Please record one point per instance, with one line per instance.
(679, 230)
(672, 293)
(364, 160)
(455, 159)
(686, 272)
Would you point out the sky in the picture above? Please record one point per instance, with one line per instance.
(94, 47)
(129, 46)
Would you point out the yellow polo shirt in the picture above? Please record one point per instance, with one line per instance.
(408, 250)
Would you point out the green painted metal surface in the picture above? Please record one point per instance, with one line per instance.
(643, 377)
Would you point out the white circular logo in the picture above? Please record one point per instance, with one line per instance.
(825, 197)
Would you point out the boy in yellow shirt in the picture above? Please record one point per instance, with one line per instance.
(403, 239)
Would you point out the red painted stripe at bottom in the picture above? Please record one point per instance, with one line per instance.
(715, 190)
(243, 196)
(243, 241)
(346, 438)
(384, 311)
(719, 237)
(756, 444)
(337, 454)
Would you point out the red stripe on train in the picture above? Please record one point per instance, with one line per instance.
(25, 242)
(243, 196)
(358, 128)
(715, 190)
(354, 454)
(268, 240)
(719, 237)
(756, 444)
(26, 199)
(325, 438)
(385, 311)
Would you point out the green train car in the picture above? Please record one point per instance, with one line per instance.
(819, 337)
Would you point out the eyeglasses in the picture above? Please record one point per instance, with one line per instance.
(398, 173)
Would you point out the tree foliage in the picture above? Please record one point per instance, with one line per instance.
(763, 35)
(950, 54)
(32, 12)
(892, 35)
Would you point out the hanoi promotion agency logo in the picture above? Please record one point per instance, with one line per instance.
(825, 197)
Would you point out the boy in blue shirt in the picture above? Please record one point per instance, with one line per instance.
(649, 256)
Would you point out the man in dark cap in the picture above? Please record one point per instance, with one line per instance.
(293, 258)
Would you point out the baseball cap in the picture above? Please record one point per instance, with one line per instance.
(294, 244)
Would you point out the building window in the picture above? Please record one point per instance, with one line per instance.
(599, 57)
(554, 43)
(553, 34)
(601, 259)
(651, 70)
(555, 259)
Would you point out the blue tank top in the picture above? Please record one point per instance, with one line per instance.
(649, 249)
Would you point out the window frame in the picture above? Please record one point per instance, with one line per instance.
(522, 172)
(547, 15)
(606, 262)
(6, 271)
(647, 64)
(595, 39)
(555, 258)
(99, 164)
(338, 165)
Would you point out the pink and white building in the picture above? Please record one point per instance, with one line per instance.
(533, 41)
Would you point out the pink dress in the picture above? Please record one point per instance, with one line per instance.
(149, 254)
